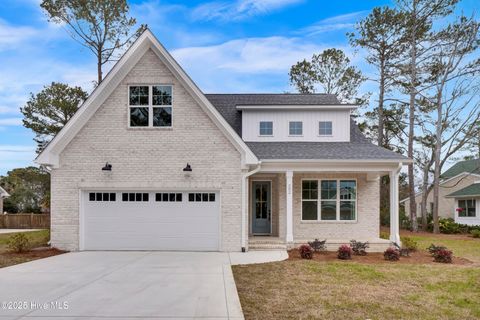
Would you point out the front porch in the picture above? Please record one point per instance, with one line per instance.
(292, 207)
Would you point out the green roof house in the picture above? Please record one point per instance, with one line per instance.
(459, 194)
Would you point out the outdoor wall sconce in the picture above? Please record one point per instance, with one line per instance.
(187, 170)
(107, 167)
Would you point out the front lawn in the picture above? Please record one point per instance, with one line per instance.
(306, 289)
(38, 241)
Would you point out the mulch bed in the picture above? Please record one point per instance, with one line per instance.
(417, 257)
(11, 258)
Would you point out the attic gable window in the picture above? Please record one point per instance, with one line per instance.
(150, 106)
(325, 128)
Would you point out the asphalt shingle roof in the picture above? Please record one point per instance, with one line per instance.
(472, 190)
(470, 166)
(357, 148)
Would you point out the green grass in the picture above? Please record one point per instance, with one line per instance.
(307, 289)
(36, 239)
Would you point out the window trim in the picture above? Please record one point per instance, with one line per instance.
(324, 135)
(294, 135)
(259, 131)
(467, 217)
(337, 200)
(150, 106)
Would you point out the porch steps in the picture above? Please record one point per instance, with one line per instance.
(266, 243)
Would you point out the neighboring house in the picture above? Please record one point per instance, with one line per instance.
(149, 162)
(459, 194)
(3, 194)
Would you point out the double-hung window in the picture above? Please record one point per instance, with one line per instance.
(329, 200)
(325, 128)
(467, 208)
(295, 128)
(150, 106)
(266, 128)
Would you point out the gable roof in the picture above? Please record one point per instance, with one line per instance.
(3, 193)
(472, 190)
(358, 148)
(469, 166)
(146, 41)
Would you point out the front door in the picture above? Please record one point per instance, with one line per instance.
(262, 214)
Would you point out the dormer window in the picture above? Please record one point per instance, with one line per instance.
(150, 106)
(325, 128)
(266, 128)
(295, 128)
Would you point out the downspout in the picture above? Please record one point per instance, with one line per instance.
(245, 205)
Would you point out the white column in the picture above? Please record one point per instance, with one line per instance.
(394, 207)
(289, 194)
(244, 212)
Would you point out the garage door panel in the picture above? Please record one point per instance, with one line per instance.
(152, 225)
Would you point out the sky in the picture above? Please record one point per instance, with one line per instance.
(234, 46)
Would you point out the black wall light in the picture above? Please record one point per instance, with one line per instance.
(188, 168)
(107, 167)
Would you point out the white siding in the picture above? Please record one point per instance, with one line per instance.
(340, 122)
(471, 221)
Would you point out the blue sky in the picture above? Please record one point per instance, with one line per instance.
(225, 46)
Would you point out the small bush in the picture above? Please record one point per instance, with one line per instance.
(443, 256)
(359, 248)
(18, 243)
(409, 243)
(448, 226)
(475, 233)
(306, 252)
(384, 235)
(432, 249)
(344, 252)
(391, 254)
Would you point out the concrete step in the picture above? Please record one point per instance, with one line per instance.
(267, 246)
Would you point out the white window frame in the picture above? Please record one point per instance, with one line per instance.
(150, 106)
(337, 200)
(324, 135)
(467, 217)
(295, 135)
(260, 132)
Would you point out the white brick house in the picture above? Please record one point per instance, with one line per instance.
(149, 162)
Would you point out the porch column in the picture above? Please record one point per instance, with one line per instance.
(289, 194)
(394, 206)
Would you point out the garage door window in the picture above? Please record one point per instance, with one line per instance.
(201, 197)
(135, 197)
(168, 197)
(101, 196)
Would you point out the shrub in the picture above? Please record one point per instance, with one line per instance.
(409, 243)
(391, 254)
(359, 248)
(344, 252)
(443, 256)
(18, 243)
(475, 233)
(306, 252)
(384, 235)
(432, 249)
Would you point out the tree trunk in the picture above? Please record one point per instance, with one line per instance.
(424, 198)
(381, 95)
(99, 68)
(436, 175)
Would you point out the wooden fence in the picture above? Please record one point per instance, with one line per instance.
(25, 221)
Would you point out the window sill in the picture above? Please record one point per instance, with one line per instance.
(328, 221)
(296, 135)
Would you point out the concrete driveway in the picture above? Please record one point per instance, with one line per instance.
(122, 285)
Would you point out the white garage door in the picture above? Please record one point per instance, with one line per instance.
(187, 221)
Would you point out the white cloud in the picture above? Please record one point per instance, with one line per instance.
(15, 156)
(239, 9)
(11, 122)
(340, 22)
(12, 36)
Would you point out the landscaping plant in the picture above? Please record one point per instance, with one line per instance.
(391, 254)
(475, 233)
(443, 256)
(18, 243)
(409, 243)
(359, 248)
(344, 252)
(433, 248)
(306, 252)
